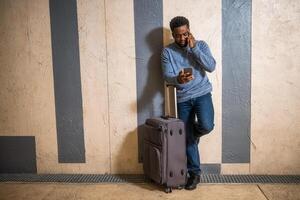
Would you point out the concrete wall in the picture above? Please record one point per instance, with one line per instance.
(275, 124)
(109, 85)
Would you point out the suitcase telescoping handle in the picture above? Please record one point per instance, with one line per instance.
(170, 101)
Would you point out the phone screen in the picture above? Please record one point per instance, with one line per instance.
(188, 70)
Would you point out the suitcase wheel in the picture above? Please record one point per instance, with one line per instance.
(180, 187)
(168, 189)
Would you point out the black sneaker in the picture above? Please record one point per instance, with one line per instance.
(192, 182)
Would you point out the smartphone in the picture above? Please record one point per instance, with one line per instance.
(188, 70)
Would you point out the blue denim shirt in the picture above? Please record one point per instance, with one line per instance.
(174, 58)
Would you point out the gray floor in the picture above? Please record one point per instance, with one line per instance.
(145, 191)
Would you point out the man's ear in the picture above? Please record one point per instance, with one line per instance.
(173, 34)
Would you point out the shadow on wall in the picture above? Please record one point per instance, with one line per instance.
(151, 79)
(150, 100)
(125, 162)
(168, 38)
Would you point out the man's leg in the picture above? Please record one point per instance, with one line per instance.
(205, 115)
(203, 108)
(186, 113)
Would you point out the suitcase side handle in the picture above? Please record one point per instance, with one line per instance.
(153, 125)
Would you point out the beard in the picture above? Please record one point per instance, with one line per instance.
(182, 44)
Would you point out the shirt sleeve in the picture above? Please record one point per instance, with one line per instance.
(203, 56)
(169, 73)
(167, 69)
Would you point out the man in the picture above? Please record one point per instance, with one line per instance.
(193, 89)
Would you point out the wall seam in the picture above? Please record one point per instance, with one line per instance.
(252, 144)
(107, 84)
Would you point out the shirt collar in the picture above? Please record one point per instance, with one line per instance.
(187, 48)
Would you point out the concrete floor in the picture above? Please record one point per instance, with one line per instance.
(145, 191)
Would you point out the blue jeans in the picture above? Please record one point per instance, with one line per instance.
(203, 108)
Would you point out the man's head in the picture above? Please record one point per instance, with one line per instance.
(180, 28)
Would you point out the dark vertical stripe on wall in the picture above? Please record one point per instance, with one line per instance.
(67, 84)
(17, 154)
(236, 94)
(148, 19)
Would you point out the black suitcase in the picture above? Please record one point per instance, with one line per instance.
(164, 152)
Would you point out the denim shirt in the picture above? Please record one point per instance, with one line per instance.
(174, 58)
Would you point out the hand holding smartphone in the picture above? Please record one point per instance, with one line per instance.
(185, 75)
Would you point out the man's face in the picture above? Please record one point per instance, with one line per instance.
(180, 35)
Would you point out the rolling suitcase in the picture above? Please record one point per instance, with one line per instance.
(164, 152)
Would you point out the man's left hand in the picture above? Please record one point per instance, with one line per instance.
(191, 40)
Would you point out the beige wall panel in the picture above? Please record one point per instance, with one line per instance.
(275, 124)
(205, 24)
(236, 168)
(122, 86)
(26, 79)
(93, 67)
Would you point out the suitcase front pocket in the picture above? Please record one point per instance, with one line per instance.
(152, 162)
(154, 135)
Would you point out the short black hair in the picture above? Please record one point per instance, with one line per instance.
(179, 21)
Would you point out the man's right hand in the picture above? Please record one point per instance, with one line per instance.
(184, 77)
